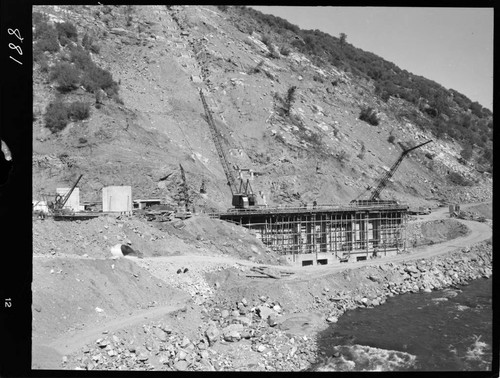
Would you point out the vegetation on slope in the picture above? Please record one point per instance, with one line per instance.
(72, 67)
(446, 113)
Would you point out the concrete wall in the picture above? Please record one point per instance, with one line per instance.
(117, 198)
(328, 258)
(73, 202)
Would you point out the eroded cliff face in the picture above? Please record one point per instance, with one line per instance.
(318, 150)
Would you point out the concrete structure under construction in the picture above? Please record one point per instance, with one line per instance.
(327, 234)
(117, 199)
(73, 202)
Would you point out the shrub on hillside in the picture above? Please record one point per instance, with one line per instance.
(66, 32)
(78, 110)
(290, 99)
(81, 58)
(391, 139)
(66, 75)
(458, 179)
(284, 51)
(318, 78)
(96, 77)
(89, 44)
(266, 40)
(368, 114)
(46, 39)
(56, 116)
(37, 18)
(273, 54)
(466, 152)
(44, 64)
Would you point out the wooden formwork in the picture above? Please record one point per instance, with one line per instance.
(337, 234)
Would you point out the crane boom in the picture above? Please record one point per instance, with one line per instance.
(66, 197)
(218, 145)
(243, 196)
(184, 188)
(383, 182)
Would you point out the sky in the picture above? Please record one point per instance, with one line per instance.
(451, 46)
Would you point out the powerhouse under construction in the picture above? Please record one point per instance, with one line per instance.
(328, 234)
(315, 234)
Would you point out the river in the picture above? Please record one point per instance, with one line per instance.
(445, 330)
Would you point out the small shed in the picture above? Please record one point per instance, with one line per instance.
(117, 199)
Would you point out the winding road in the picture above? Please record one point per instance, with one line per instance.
(48, 355)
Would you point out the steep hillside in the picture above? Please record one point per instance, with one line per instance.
(311, 147)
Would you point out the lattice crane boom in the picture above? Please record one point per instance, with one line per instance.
(383, 181)
(218, 145)
(184, 188)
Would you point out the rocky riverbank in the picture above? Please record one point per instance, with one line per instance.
(234, 330)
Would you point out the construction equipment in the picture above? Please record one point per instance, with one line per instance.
(57, 207)
(375, 195)
(419, 211)
(242, 196)
(185, 194)
(183, 212)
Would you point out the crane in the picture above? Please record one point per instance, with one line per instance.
(185, 194)
(242, 195)
(57, 206)
(387, 176)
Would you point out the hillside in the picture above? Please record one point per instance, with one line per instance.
(139, 113)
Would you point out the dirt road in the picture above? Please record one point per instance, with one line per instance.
(163, 267)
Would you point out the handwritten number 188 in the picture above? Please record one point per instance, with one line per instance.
(15, 47)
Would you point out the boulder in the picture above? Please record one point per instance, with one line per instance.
(161, 334)
(212, 334)
(182, 355)
(181, 365)
(264, 312)
(185, 342)
(116, 251)
(196, 79)
(232, 332)
(271, 320)
(235, 313)
(118, 31)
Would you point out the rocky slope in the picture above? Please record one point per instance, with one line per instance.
(249, 330)
(161, 56)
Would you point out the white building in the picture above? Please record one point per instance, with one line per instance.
(117, 199)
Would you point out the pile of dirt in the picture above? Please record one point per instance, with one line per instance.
(116, 287)
(482, 209)
(430, 232)
(198, 235)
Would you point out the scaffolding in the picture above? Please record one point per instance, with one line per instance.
(325, 234)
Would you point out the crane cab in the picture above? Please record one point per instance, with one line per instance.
(243, 201)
